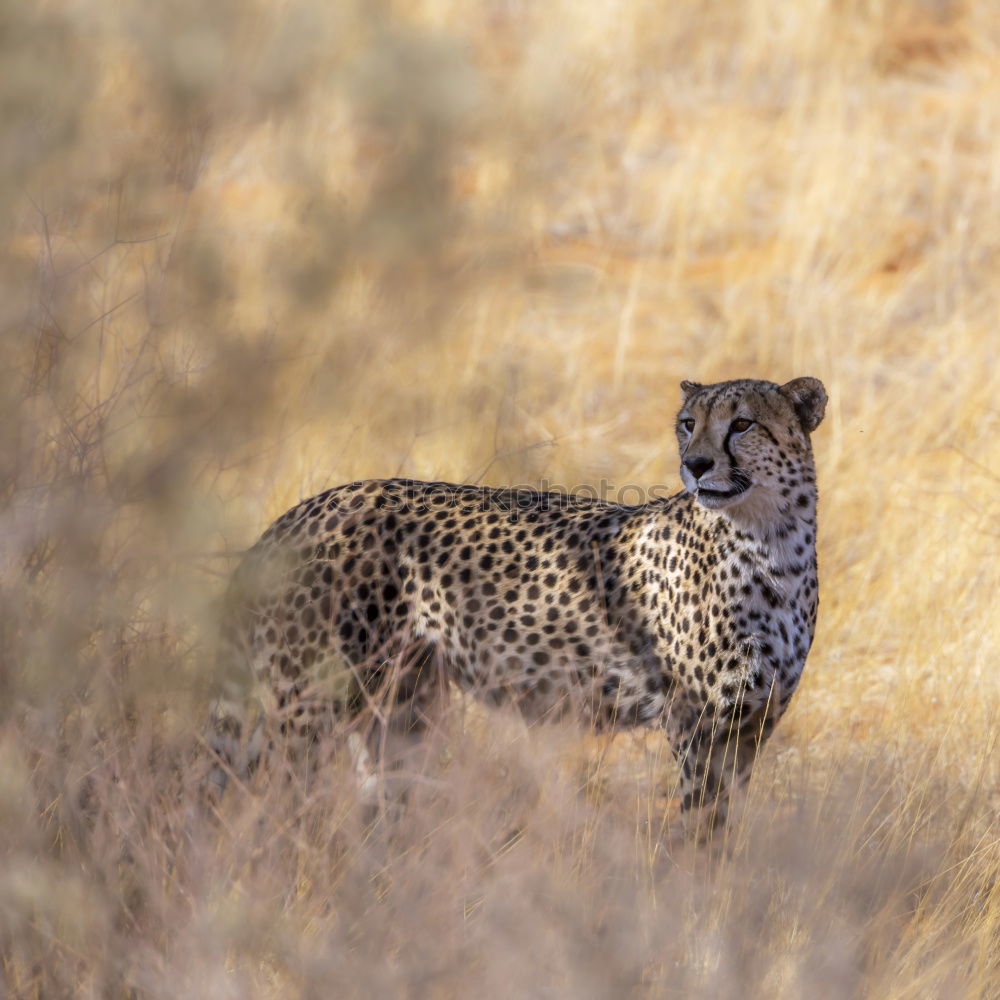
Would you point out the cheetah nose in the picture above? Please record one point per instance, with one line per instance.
(698, 466)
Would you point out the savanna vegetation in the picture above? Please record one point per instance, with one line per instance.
(251, 249)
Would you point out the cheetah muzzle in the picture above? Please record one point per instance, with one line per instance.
(694, 614)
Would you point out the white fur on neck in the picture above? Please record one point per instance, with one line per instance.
(766, 518)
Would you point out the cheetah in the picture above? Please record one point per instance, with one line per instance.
(693, 613)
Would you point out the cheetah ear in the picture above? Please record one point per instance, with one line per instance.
(808, 397)
(690, 388)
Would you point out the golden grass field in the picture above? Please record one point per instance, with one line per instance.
(255, 249)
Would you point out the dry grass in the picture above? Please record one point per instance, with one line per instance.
(251, 250)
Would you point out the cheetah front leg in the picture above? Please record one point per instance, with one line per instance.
(716, 752)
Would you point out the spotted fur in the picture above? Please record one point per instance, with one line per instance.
(693, 613)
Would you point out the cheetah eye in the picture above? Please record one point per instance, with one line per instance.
(688, 425)
(741, 425)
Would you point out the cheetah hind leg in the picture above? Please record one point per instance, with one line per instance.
(402, 703)
(275, 722)
(232, 752)
(386, 710)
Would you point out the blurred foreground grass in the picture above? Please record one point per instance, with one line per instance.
(251, 250)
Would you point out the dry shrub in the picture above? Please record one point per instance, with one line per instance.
(251, 250)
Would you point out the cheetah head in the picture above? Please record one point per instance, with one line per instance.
(745, 444)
